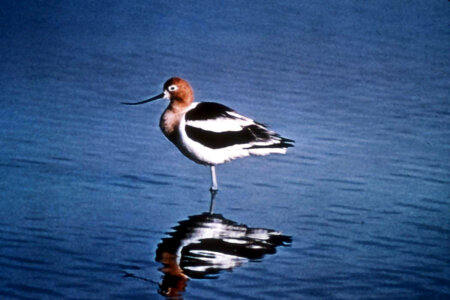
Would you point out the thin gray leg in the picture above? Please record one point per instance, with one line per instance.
(213, 179)
(213, 200)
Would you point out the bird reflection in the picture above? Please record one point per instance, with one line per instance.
(204, 245)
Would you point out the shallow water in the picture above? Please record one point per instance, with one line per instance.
(91, 189)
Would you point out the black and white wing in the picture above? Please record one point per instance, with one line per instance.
(217, 126)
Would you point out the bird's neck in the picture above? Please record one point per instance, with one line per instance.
(178, 105)
(171, 118)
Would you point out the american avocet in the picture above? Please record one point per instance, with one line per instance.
(210, 133)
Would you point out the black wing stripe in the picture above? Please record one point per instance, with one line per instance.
(217, 140)
(281, 144)
(248, 134)
(208, 110)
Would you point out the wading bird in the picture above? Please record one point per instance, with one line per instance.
(210, 133)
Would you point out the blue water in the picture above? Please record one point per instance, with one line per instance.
(96, 203)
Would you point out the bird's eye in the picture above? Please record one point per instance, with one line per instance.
(172, 88)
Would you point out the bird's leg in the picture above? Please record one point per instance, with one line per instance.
(214, 187)
(213, 200)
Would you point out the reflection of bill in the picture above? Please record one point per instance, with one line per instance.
(206, 244)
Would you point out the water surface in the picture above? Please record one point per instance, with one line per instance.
(90, 189)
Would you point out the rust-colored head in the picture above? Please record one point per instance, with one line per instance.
(178, 90)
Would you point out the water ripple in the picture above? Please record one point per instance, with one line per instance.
(34, 290)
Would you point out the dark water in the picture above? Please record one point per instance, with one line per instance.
(95, 203)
